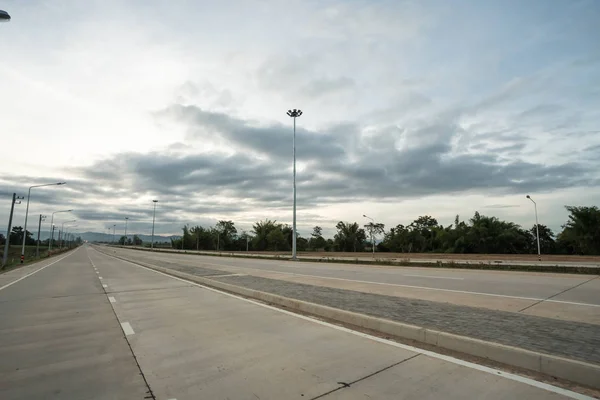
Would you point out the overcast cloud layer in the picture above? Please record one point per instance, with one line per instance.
(410, 108)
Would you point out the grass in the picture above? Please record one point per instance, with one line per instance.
(14, 256)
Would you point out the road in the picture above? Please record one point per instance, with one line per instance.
(89, 326)
(563, 296)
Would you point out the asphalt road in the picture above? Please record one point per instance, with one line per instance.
(562, 296)
(78, 328)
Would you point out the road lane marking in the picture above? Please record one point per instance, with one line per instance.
(105, 286)
(100, 277)
(224, 275)
(127, 328)
(98, 272)
(434, 277)
(112, 299)
(35, 272)
(489, 370)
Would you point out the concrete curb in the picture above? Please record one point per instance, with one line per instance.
(572, 370)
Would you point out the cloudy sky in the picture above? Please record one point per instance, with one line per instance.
(410, 108)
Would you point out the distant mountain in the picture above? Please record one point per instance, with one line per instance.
(105, 237)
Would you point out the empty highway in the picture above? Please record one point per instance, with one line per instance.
(89, 326)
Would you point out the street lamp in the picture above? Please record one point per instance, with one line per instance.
(62, 229)
(372, 238)
(125, 242)
(4, 17)
(51, 225)
(537, 228)
(294, 114)
(153, 218)
(114, 228)
(27, 212)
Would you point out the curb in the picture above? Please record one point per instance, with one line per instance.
(572, 370)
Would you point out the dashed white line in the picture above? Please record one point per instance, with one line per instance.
(492, 371)
(112, 299)
(105, 286)
(127, 329)
(100, 277)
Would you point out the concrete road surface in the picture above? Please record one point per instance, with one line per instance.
(78, 329)
(562, 296)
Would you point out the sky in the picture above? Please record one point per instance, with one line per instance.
(409, 108)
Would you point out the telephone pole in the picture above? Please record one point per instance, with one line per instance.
(15, 200)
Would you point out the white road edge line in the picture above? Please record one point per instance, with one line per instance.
(495, 372)
(127, 329)
(112, 299)
(34, 272)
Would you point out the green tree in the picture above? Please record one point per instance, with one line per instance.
(317, 241)
(122, 240)
(261, 230)
(581, 233)
(16, 236)
(137, 241)
(227, 234)
(374, 229)
(349, 236)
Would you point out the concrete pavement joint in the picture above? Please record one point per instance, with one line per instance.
(572, 370)
(347, 385)
(557, 294)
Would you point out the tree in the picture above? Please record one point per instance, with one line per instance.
(317, 241)
(261, 230)
(16, 236)
(122, 240)
(581, 233)
(349, 236)
(547, 242)
(374, 229)
(2, 240)
(276, 240)
(227, 234)
(137, 241)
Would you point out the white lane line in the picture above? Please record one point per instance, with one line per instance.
(492, 371)
(127, 328)
(100, 277)
(98, 272)
(221, 276)
(34, 272)
(112, 299)
(434, 277)
(438, 289)
(105, 286)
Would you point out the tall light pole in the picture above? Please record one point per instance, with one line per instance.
(62, 231)
(294, 114)
(27, 212)
(37, 249)
(153, 218)
(4, 17)
(125, 242)
(52, 225)
(114, 229)
(372, 237)
(15, 200)
(537, 228)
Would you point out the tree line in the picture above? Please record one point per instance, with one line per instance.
(480, 234)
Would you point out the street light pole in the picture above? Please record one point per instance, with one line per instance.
(62, 232)
(51, 225)
(372, 238)
(37, 249)
(15, 200)
(153, 218)
(26, 214)
(125, 242)
(114, 228)
(294, 114)
(537, 228)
